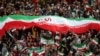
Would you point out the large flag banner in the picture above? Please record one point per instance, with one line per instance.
(35, 1)
(51, 23)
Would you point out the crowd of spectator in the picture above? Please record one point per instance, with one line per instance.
(18, 42)
(75, 9)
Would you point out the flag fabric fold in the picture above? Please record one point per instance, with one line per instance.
(51, 23)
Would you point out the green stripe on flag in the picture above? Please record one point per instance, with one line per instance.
(3, 18)
(79, 46)
(36, 49)
(24, 17)
(19, 17)
(5, 53)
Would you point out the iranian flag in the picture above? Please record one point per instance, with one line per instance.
(51, 23)
(35, 51)
(80, 47)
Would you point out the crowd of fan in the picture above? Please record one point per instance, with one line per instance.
(60, 45)
(76, 9)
